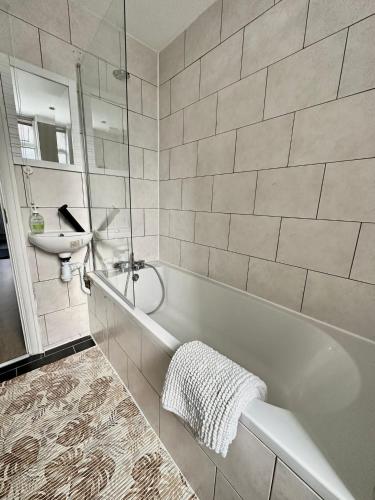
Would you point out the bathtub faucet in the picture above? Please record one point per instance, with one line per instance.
(129, 265)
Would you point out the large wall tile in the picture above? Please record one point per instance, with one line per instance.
(276, 282)
(203, 34)
(320, 245)
(118, 359)
(53, 188)
(291, 192)
(238, 13)
(212, 229)
(49, 266)
(170, 250)
(164, 158)
(338, 130)
(67, 324)
(326, 18)
(234, 193)
(115, 90)
(128, 334)
(363, 265)
(200, 119)
(151, 221)
(115, 155)
(164, 99)
(164, 222)
(155, 363)
(254, 235)
(287, 486)
(170, 194)
(185, 87)
(107, 191)
(216, 154)
(51, 16)
(247, 453)
(51, 296)
(58, 56)
(172, 58)
(151, 164)
(143, 131)
(190, 458)
(241, 103)
(149, 99)
(222, 66)
(141, 60)
(307, 78)
(93, 33)
(341, 302)
(181, 225)
(227, 267)
(264, 145)
(348, 191)
(146, 248)
(145, 396)
(194, 257)
(197, 193)
(144, 193)
(171, 130)
(275, 35)
(184, 161)
(19, 39)
(358, 73)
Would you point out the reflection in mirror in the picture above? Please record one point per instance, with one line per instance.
(43, 116)
(107, 123)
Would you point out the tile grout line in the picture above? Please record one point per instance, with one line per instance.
(321, 191)
(304, 289)
(291, 138)
(255, 192)
(278, 239)
(342, 64)
(307, 19)
(355, 250)
(265, 94)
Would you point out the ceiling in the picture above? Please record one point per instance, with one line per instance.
(158, 22)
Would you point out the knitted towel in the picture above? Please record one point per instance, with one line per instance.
(209, 392)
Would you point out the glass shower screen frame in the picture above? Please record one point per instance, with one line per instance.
(105, 137)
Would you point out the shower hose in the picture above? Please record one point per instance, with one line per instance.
(161, 284)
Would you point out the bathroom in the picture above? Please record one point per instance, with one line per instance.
(172, 172)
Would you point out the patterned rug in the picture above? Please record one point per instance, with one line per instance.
(70, 430)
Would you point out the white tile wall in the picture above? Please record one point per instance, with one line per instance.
(276, 34)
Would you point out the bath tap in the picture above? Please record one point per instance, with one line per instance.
(129, 265)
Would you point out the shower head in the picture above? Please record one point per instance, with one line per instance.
(120, 74)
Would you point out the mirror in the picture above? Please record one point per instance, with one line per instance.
(43, 117)
(106, 127)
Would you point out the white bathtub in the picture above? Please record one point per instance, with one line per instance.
(319, 418)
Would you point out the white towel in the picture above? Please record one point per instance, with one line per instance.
(209, 392)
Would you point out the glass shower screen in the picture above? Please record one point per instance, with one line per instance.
(102, 85)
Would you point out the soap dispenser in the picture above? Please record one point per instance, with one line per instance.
(36, 221)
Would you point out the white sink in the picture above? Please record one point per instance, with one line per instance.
(64, 244)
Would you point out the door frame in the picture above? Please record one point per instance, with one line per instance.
(9, 204)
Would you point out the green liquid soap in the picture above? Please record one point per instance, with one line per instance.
(36, 222)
